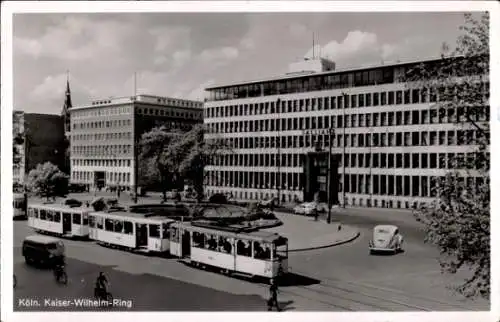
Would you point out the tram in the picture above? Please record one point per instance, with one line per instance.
(60, 220)
(254, 254)
(131, 231)
(20, 202)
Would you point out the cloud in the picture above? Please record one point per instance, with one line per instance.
(361, 48)
(221, 54)
(199, 92)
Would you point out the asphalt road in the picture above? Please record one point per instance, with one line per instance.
(342, 278)
(411, 280)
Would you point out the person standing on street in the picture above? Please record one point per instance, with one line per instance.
(273, 297)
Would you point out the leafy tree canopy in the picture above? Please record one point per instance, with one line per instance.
(458, 222)
(46, 180)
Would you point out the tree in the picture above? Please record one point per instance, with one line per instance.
(458, 221)
(195, 153)
(46, 180)
(156, 146)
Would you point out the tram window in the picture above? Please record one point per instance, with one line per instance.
(57, 216)
(154, 231)
(198, 239)
(210, 242)
(35, 213)
(77, 219)
(128, 228)
(258, 250)
(99, 221)
(225, 245)
(244, 248)
(49, 215)
(165, 233)
(85, 220)
(91, 221)
(118, 226)
(43, 214)
(174, 234)
(108, 225)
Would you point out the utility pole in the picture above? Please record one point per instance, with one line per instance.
(331, 133)
(136, 140)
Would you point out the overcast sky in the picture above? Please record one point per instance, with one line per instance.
(179, 54)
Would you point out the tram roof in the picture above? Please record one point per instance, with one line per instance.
(132, 215)
(60, 207)
(264, 236)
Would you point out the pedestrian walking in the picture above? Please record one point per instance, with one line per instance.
(273, 297)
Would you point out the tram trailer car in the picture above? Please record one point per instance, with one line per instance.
(59, 220)
(255, 254)
(131, 231)
(20, 204)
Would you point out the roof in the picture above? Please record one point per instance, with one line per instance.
(337, 71)
(264, 236)
(130, 215)
(41, 239)
(60, 207)
(387, 227)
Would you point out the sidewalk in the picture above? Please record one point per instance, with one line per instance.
(304, 233)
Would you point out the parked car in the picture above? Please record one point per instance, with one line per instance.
(73, 203)
(386, 238)
(306, 208)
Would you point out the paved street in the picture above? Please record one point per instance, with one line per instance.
(342, 278)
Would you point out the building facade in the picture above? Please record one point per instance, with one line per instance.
(43, 136)
(106, 133)
(390, 145)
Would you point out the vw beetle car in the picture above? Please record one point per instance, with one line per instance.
(306, 208)
(386, 238)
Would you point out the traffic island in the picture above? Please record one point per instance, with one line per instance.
(305, 233)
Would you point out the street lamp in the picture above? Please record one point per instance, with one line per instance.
(344, 98)
(278, 145)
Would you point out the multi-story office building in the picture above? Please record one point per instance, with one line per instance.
(43, 136)
(105, 135)
(389, 144)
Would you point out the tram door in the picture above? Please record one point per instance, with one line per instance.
(186, 244)
(141, 235)
(66, 223)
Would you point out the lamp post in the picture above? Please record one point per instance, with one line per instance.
(278, 145)
(344, 98)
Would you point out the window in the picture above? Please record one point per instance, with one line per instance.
(85, 220)
(43, 214)
(128, 228)
(91, 221)
(198, 239)
(174, 234)
(165, 231)
(243, 248)
(77, 219)
(118, 226)
(99, 222)
(108, 225)
(57, 216)
(154, 231)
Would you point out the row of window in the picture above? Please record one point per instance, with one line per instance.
(101, 163)
(127, 227)
(385, 139)
(55, 216)
(88, 176)
(225, 245)
(102, 111)
(169, 113)
(102, 136)
(356, 160)
(101, 150)
(394, 118)
(102, 124)
(397, 97)
(374, 184)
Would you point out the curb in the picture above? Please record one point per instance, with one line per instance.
(337, 243)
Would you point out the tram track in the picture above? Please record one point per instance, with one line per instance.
(384, 295)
